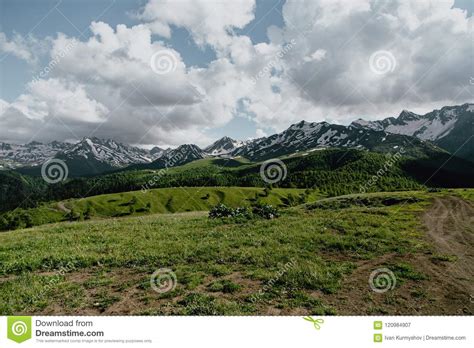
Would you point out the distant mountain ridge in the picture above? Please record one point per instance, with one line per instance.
(88, 156)
(304, 136)
(450, 128)
(31, 154)
(225, 146)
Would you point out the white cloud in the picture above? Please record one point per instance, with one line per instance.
(430, 41)
(209, 22)
(260, 133)
(26, 48)
(317, 55)
(106, 85)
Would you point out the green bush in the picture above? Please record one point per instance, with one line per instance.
(262, 210)
(243, 212)
(266, 211)
(221, 211)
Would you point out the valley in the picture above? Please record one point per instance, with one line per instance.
(368, 219)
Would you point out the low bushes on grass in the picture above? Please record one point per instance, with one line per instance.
(265, 211)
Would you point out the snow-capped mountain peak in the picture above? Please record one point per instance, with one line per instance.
(407, 116)
(431, 126)
(223, 146)
(108, 151)
(449, 127)
(31, 154)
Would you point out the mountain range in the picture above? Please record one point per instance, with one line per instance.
(449, 129)
(88, 156)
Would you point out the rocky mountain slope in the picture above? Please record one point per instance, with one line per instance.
(31, 154)
(451, 128)
(224, 146)
(305, 136)
(89, 152)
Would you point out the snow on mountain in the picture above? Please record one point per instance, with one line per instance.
(31, 154)
(360, 123)
(224, 146)
(156, 152)
(451, 128)
(305, 136)
(181, 155)
(431, 126)
(108, 151)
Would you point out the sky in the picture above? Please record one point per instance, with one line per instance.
(154, 72)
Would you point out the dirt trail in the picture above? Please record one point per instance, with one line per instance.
(450, 223)
(449, 289)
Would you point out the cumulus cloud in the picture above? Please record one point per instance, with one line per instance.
(429, 41)
(209, 22)
(26, 48)
(129, 84)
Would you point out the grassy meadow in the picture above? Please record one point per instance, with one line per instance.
(316, 258)
(159, 201)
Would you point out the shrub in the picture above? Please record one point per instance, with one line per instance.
(221, 211)
(243, 212)
(262, 210)
(27, 219)
(266, 211)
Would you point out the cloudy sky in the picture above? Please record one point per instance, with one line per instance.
(172, 72)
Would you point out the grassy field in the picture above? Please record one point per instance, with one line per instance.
(162, 201)
(183, 199)
(314, 259)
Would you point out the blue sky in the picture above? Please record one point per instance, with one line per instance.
(71, 17)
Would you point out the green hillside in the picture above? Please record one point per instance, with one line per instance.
(332, 172)
(162, 201)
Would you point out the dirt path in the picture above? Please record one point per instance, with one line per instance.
(450, 224)
(449, 288)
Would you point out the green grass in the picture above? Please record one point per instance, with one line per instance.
(220, 264)
(161, 201)
(182, 199)
(465, 193)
